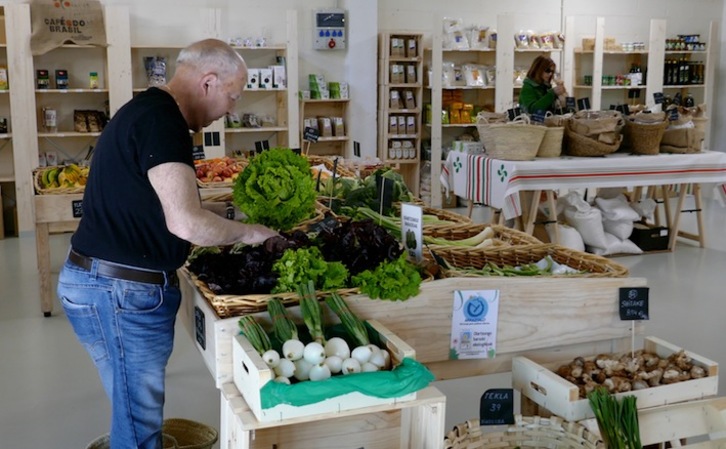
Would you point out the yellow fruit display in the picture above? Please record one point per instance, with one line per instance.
(68, 176)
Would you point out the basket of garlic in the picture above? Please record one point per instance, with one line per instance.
(295, 371)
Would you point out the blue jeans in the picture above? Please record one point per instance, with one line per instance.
(128, 330)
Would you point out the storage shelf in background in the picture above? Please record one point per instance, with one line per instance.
(468, 50)
(6, 136)
(330, 100)
(68, 134)
(683, 86)
(71, 91)
(621, 52)
(642, 86)
(467, 88)
(404, 59)
(7, 178)
(686, 52)
(402, 136)
(405, 86)
(537, 50)
(333, 139)
(261, 129)
(267, 47)
(400, 161)
(405, 111)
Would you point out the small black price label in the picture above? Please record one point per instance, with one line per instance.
(77, 208)
(384, 193)
(538, 117)
(583, 104)
(633, 303)
(199, 327)
(356, 148)
(673, 114)
(570, 104)
(658, 97)
(633, 93)
(310, 134)
(514, 113)
(198, 152)
(496, 407)
(297, 151)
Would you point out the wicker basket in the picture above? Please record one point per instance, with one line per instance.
(503, 236)
(40, 190)
(593, 123)
(104, 442)
(591, 265)
(643, 138)
(579, 145)
(514, 141)
(328, 162)
(551, 145)
(190, 434)
(240, 162)
(681, 141)
(531, 432)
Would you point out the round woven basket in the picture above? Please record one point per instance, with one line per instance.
(104, 442)
(531, 432)
(551, 145)
(514, 141)
(643, 138)
(190, 434)
(579, 145)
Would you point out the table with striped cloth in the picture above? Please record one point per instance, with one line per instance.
(497, 183)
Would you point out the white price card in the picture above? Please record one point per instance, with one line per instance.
(474, 324)
(412, 231)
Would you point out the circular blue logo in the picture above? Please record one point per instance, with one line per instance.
(475, 308)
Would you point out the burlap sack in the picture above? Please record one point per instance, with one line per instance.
(594, 123)
(55, 23)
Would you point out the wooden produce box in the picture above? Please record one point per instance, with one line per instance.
(416, 424)
(561, 397)
(251, 374)
(536, 320)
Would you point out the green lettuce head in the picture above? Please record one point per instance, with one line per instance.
(276, 189)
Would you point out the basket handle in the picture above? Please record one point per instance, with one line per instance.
(523, 118)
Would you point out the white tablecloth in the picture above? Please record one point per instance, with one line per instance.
(497, 183)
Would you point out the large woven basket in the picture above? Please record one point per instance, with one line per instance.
(514, 141)
(580, 145)
(681, 141)
(551, 145)
(590, 265)
(190, 434)
(341, 170)
(104, 442)
(643, 138)
(530, 432)
(593, 123)
(239, 162)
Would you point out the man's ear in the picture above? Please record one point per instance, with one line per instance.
(207, 81)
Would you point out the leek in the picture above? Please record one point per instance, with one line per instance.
(311, 311)
(255, 334)
(282, 325)
(354, 325)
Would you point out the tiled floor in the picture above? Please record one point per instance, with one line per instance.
(50, 396)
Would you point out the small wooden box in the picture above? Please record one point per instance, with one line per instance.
(561, 397)
(251, 373)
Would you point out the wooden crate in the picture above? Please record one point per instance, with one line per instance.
(561, 397)
(251, 374)
(547, 320)
(416, 424)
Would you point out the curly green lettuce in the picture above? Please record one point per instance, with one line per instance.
(395, 280)
(298, 266)
(276, 189)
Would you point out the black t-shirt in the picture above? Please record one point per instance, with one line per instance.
(123, 220)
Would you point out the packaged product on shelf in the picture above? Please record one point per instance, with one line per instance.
(42, 80)
(521, 39)
(395, 100)
(265, 78)
(42, 161)
(3, 125)
(334, 89)
(401, 124)
(448, 74)
(546, 40)
(311, 122)
(250, 121)
(3, 78)
(393, 125)
(533, 40)
(253, 78)
(394, 149)
(410, 124)
(50, 120)
(411, 77)
(397, 75)
(478, 37)
(454, 37)
(409, 99)
(232, 120)
(397, 47)
(493, 38)
(155, 70)
(407, 150)
(279, 79)
(325, 126)
(344, 91)
(466, 113)
(338, 126)
(474, 75)
(51, 158)
(412, 48)
(95, 121)
(61, 79)
(80, 125)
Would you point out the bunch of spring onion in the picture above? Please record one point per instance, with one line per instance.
(320, 358)
(393, 224)
(617, 420)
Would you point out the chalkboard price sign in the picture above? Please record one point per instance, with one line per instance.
(633, 303)
(310, 134)
(583, 104)
(497, 407)
(77, 208)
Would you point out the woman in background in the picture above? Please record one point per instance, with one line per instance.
(539, 94)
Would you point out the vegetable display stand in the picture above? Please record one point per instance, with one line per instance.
(416, 424)
(561, 397)
(251, 374)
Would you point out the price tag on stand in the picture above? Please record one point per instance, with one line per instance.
(261, 146)
(77, 208)
(356, 149)
(658, 97)
(198, 152)
(633, 303)
(310, 135)
(583, 104)
(412, 231)
(384, 194)
(570, 104)
(496, 407)
(514, 113)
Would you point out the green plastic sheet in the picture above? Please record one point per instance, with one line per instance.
(408, 377)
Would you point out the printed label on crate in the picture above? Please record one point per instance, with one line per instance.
(412, 231)
(77, 208)
(496, 407)
(633, 303)
(474, 324)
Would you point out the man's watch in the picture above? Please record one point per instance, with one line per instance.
(230, 210)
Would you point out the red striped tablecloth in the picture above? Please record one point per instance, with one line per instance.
(497, 183)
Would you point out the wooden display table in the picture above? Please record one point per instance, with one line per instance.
(498, 183)
(417, 424)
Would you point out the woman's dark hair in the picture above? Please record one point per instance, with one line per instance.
(538, 67)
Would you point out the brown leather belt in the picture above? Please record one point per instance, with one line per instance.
(118, 272)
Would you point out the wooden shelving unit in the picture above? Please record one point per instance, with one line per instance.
(333, 145)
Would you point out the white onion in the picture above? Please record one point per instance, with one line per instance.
(286, 368)
(362, 354)
(293, 349)
(282, 380)
(378, 359)
(302, 369)
(314, 353)
(271, 358)
(319, 372)
(338, 347)
(335, 364)
(368, 367)
(350, 366)
(374, 349)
